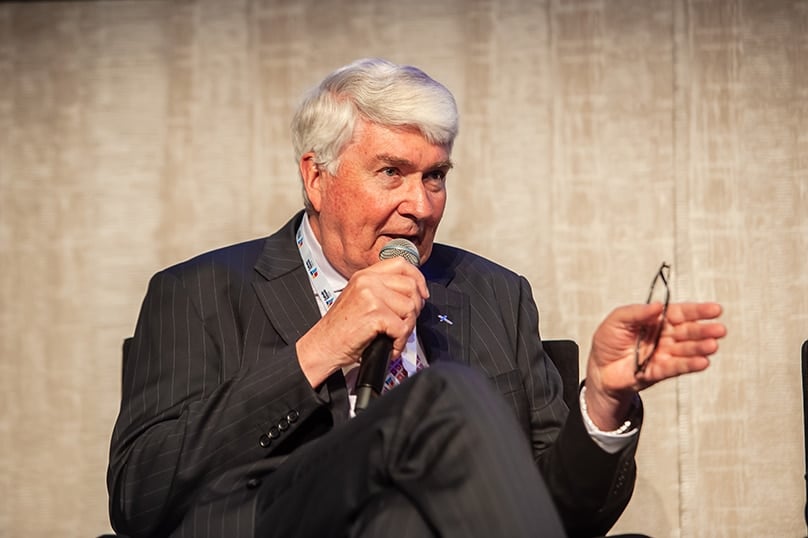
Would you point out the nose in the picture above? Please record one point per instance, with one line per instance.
(417, 201)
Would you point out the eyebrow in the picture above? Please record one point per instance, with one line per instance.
(406, 163)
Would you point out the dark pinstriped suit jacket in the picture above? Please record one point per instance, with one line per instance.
(213, 397)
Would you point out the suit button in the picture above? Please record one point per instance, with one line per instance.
(274, 433)
(292, 416)
(283, 425)
(264, 441)
(253, 483)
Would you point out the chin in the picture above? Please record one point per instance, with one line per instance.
(425, 251)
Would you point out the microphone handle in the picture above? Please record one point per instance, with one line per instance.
(372, 371)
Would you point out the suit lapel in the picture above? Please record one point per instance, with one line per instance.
(286, 296)
(444, 324)
(285, 292)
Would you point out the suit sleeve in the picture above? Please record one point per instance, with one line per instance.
(195, 401)
(590, 487)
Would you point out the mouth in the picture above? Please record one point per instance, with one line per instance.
(415, 239)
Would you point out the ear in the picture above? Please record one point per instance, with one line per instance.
(312, 178)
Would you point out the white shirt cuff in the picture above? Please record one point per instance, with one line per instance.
(611, 442)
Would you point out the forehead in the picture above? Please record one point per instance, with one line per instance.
(372, 142)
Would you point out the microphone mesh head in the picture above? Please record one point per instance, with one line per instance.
(403, 248)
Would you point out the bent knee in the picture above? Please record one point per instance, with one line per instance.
(460, 380)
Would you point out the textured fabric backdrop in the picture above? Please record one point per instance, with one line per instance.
(598, 138)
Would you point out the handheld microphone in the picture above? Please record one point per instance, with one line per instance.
(376, 357)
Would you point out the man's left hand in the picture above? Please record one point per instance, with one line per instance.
(688, 337)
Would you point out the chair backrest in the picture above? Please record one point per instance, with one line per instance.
(805, 418)
(564, 354)
(127, 344)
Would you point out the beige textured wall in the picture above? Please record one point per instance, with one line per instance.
(597, 139)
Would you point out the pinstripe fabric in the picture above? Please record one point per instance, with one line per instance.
(439, 440)
(213, 396)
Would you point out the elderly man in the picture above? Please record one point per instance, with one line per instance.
(238, 415)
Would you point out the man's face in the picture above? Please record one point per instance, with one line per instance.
(390, 183)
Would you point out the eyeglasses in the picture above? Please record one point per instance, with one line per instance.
(651, 334)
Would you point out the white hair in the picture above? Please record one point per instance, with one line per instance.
(377, 91)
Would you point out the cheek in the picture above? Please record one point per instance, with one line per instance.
(438, 205)
(345, 208)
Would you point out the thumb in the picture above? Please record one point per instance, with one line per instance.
(637, 314)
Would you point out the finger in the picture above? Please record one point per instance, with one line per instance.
(402, 284)
(404, 329)
(399, 266)
(673, 358)
(374, 289)
(398, 292)
(402, 305)
(683, 312)
(696, 331)
(659, 368)
(688, 348)
(636, 314)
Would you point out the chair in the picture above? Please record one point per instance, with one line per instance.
(805, 418)
(564, 354)
(127, 344)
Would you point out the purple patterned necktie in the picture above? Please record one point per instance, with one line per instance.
(397, 373)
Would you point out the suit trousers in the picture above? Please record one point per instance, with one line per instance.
(440, 455)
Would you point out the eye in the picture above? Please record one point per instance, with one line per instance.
(435, 180)
(435, 175)
(390, 171)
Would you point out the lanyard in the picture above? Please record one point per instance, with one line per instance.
(324, 291)
(326, 294)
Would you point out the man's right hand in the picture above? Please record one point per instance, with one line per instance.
(384, 298)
